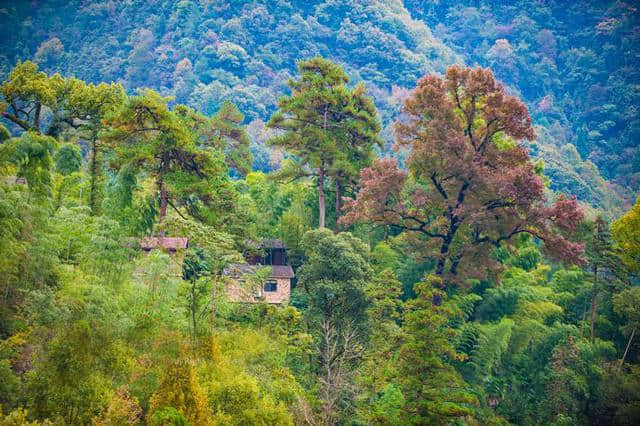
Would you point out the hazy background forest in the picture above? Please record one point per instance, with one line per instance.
(466, 241)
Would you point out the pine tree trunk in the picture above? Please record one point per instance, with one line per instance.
(626, 350)
(321, 202)
(36, 118)
(338, 205)
(584, 317)
(164, 201)
(594, 301)
(321, 172)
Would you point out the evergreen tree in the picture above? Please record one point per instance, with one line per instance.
(148, 135)
(434, 392)
(27, 94)
(179, 389)
(330, 128)
(223, 132)
(602, 259)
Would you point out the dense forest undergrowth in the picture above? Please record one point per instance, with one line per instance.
(465, 241)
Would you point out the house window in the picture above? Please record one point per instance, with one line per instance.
(271, 285)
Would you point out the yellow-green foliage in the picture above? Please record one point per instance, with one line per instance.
(626, 232)
(18, 417)
(94, 331)
(32, 89)
(539, 310)
(179, 388)
(123, 409)
(246, 381)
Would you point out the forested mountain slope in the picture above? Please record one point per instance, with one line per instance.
(319, 213)
(576, 63)
(576, 70)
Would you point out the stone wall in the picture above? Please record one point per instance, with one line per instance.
(236, 292)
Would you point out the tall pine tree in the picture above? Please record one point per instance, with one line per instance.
(328, 127)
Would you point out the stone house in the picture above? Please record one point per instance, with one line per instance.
(275, 289)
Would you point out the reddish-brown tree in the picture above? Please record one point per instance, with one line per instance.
(469, 186)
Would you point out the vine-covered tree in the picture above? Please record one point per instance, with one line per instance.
(603, 260)
(470, 185)
(81, 108)
(30, 155)
(95, 330)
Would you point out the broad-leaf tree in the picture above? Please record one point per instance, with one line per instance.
(626, 232)
(333, 281)
(31, 157)
(211, 252)
(470, 185)
(179, 389)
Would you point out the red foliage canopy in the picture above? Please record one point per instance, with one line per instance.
(470, 186)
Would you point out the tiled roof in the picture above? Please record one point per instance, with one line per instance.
(267, 243)
(169, 243)
(237, 269)
(282, 271)
(277, 271)
(272, 243)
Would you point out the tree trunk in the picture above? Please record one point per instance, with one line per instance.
(14, 118)
(338, 203)
(584, 317)
(594, 301)
(321, 172)
(321, 202)
(454, 223)
(626, 350)
(164, 201)
(444, 250)
(214, 297)
(36, 118)
(94, 171)
(592, 316)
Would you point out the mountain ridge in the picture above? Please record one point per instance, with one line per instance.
(203, 53)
